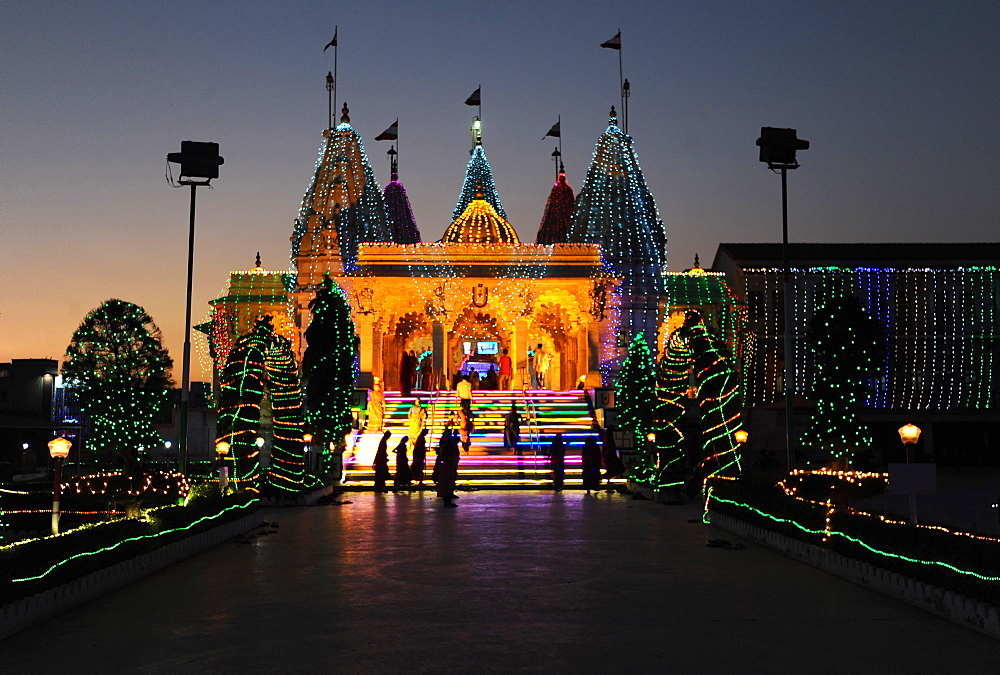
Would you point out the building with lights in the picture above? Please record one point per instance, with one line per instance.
(939, 308)
(594, 278)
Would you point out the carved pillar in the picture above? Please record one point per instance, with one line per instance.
(520, 355)
(366, 331)
(439, 343)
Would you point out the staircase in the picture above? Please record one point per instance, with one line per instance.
(486, 465)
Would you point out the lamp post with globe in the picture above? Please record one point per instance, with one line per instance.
(59, 450)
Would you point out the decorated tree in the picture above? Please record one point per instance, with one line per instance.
(636, 404)
(261, 373)
(848, 346)
(329, 365)
(120, 370)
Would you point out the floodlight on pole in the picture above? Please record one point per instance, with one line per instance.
(200, 163)
(777, 150)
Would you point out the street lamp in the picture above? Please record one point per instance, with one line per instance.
(909, 434)
(741, 436)
(777, 150)
(221, 450)
(59, 450)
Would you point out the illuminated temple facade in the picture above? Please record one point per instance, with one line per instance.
(594, 278)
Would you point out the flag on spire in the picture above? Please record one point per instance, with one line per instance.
(614, 43)
(554, 131)
(390, 134)
(333, 42)
(474, 99)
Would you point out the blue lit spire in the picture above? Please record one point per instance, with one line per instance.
(478, 177)
(615, 209)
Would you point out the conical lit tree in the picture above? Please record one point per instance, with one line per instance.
(120, 370)
(636, 404)
(848, 346)
(329, 366)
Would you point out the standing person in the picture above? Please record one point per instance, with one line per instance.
(376, 407)
(401, 480)
(449, 426)
(492, 381)
(466, 425)
(590, 458)
(405, 373)
(512, 429)
(419, 464)
(381, 465)
(427, 372)
(414, 365)
(542, 361)
(506, 371)
(557, 462)
(448, 470)
(464, 391)
(416, 416)
(613, 466)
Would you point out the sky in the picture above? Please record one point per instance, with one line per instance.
(898, 99)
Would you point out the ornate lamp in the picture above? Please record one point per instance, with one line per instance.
(59, 449)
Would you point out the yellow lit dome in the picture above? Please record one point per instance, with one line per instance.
(480, 224)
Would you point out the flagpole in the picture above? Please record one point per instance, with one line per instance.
(621, 82)
(480, 90)
(336, 43)
(559, 122)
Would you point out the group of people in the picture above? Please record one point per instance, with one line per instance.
(409, 473)
(415, 372)
(592, 458)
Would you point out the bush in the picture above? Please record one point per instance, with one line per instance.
(75, 553)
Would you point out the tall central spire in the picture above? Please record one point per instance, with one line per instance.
(478, 175)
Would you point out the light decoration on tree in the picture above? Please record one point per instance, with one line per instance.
(846, 346)
(120, 372)
(478, 178)
(342, 207)
(558, 216)
(939, 323)
(636, 401)
(262, 363)
(329, 366)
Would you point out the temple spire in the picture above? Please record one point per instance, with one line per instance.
(478, 175)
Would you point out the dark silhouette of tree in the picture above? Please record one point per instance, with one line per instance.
(120, 370)
(329, 365)
(849, 348)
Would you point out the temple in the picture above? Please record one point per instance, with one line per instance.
(593, 280)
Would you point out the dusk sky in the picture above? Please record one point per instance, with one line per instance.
(899, 100)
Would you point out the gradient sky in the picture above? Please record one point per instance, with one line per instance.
(900, 101)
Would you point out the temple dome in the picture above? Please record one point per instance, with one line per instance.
(480, 224)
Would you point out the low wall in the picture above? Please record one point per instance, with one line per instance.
(952, 606)
(21, 614)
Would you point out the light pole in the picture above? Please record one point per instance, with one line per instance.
(221, 450)
(777, 150)
(197, 160)
(909, 434)
(59, 449)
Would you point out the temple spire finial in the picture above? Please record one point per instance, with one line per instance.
(257, 264)
(345, 118)
(697, 263)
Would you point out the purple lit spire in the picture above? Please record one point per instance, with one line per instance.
(558, 216)
(397, 204)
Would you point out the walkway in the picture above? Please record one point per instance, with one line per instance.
(526, 580)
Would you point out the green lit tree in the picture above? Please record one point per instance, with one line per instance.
(329, 365)
(636, 404)
(848, 346)
(120, 370)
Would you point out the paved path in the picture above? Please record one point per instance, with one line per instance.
(509, 581)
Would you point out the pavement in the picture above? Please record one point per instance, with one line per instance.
(529, 581)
